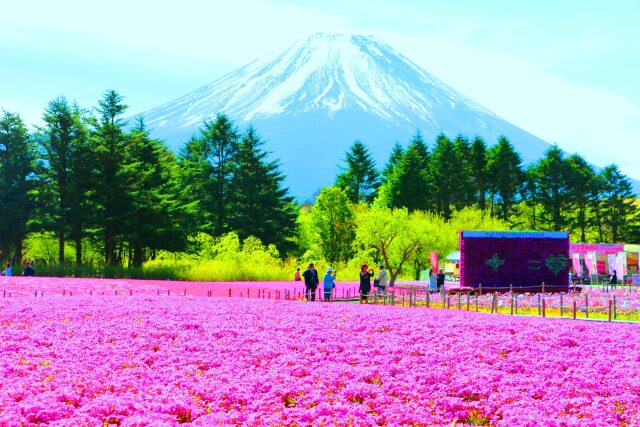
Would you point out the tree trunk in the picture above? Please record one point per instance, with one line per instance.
(19, 250)
(137, 253)
(61, 247)
(78, 251)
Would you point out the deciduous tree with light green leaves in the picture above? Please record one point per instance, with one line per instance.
(333, 221)
(395, 234)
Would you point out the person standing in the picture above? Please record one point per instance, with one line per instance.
(310, 282)
(613, 280)
(28, 270)
(382, 282)
(365, 283)
(440, 282)
(329, 283)
(433, 281)
(8, 271)
(296, 276)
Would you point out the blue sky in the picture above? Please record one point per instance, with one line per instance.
(563, 70)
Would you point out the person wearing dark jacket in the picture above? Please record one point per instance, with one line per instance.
(28, 270)
(440, 282)
(365, 283)
(311, 281)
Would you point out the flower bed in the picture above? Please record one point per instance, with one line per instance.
(145, 360)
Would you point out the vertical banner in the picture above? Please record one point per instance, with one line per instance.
(577, 267)
(591, 261)
(621, 264)
(611, 258)
(433, 258)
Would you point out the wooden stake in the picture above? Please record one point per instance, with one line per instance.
(544, 307)
(561, 307)
(610, 309)
(575, 309)
(586, 305)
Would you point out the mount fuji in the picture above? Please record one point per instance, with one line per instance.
(313, 100)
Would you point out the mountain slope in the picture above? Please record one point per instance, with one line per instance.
(313, 100)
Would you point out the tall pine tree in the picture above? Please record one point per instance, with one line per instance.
(17, 180)
(410, 183)
(359, 178)
(261, 205)
(504, 168)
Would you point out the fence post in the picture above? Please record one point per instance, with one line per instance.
(459, 301)
(575, 308)
(448, 302)
(403, 300)
(468, 301)
(615, 311)
(544, 307)
(539, 301)
(480, 288)
(561, 308)
(511, 288)
(543, 287)
(428, 298)
(586, 304)
(512, 305)
(516, 303)
(476, 302)
(610, 309)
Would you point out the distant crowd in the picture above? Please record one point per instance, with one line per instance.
(381, 281)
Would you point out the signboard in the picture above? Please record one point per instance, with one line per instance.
(521, 259)
(635, 279)
(599, 248)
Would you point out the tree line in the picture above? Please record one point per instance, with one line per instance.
(88, 175)
(558, 192)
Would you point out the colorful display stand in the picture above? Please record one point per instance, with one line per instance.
(518, 260)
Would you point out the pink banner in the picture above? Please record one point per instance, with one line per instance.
(577, 267)
(591, 261)
(611, 258)
(433, 258)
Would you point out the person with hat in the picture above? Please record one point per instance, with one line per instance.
(329, 283)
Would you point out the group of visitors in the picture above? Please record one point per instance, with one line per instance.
(436, 281)
(28, 270)
(380, 282)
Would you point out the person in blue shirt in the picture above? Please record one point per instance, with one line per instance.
(7, 271)
(328, 281)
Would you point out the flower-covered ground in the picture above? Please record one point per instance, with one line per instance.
(156, 361)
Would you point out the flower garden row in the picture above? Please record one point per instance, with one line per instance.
(148, 361)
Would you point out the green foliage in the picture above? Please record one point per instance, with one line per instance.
(410, 185)
(359, 178)
(332, 219)
(17, 167)
(261, 204)
(507, 177)
(450, 175)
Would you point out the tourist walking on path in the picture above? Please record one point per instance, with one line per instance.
(440, 282)
(310, 282)
(329, 283)
(433, 281)
(296, 276)
(382, 282)
(365, 283)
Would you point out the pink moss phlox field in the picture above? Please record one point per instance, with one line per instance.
(150, 361)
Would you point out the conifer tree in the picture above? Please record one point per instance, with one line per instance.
(478, 171)
(450, 180)
(359, 178)
(63, 139)
(410, 183)
(504, 168)
(619, 213)
(581, 176)
(553, 190)
(113, 199)
(261, 205)
(156, 217)
(394, 158)
(17, 181)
